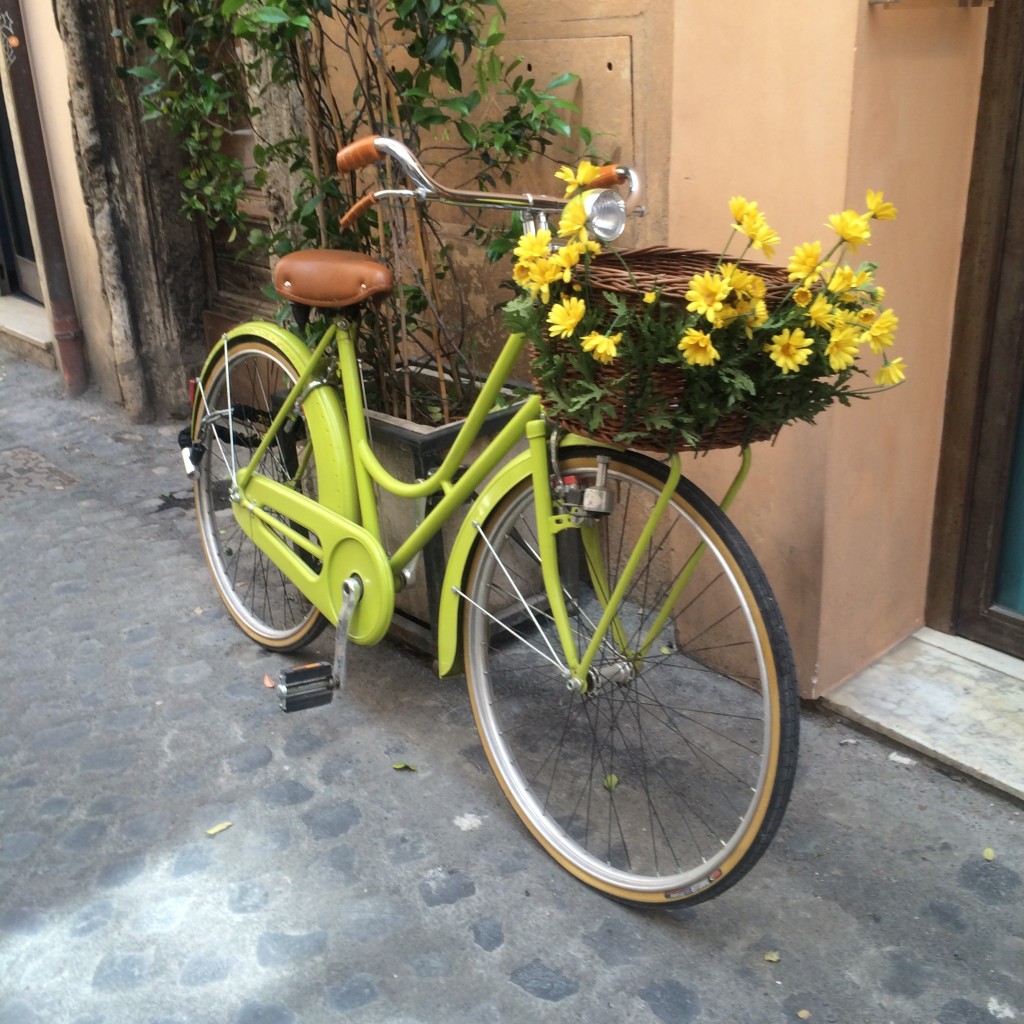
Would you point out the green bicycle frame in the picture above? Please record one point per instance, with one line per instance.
(357, 464)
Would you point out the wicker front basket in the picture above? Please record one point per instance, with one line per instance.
(669, 272)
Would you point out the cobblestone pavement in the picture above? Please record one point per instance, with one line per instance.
(134, 719)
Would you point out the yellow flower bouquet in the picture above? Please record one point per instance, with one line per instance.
(669, 349)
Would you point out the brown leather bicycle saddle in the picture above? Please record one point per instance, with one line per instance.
(329, 278)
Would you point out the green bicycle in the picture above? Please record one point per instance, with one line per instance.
(627, 665)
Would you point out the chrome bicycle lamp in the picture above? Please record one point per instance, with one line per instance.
(606, 213)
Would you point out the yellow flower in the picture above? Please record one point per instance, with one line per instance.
(759, 315)
(565, 316)
(761, 236)
(842, 347)
(740, 208)
(697, 348)
(789, 350)
(805, 263)
(543, 274)
(567, 257)
(532, 246)
(866, 316)
(891, 373)
(881, 332)
(751, 313)
(878, 209)
(521, 273)
(841, 281)
(603, 347)
(580, 178)
(820, 312)
(650, 297)
(573, 223)
(744, 282)
(863, 277)
(706, 295)
(802, 296)
(851, 227)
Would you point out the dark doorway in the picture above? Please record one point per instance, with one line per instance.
(18, 270)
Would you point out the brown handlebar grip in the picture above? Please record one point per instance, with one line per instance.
(360, 153)
(357, 210)
(607, 176)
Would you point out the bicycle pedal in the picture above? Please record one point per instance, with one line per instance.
(306, 686)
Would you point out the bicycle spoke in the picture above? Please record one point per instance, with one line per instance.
(645, 782)
(239, 405)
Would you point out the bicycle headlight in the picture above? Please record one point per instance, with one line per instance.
(606, 213)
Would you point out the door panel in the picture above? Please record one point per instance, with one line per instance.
(989, 605)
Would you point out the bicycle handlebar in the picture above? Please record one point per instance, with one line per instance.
(372, 148)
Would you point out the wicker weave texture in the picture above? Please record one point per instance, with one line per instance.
(668, 271)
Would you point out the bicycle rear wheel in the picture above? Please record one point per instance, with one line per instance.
(243, 391)
(667, 778)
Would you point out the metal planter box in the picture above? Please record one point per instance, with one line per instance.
(410, 451)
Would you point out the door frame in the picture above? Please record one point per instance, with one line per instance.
(987, 362)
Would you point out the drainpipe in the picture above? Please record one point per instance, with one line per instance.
(67, 330)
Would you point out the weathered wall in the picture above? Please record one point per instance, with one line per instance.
(150, 258)
(803, 106)
(917, 82)
(623, 52)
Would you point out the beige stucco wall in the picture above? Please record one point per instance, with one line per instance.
(51, 83)
(803, 106)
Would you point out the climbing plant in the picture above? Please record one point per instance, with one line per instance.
(308, 76)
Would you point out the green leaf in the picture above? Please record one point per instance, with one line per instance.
(458, 104)
(564, 79)
(435, 48)
(145, 72)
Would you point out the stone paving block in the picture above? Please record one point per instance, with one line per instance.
(133, 719)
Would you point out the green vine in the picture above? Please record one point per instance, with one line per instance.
(427, 72)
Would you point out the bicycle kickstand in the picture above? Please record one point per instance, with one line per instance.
(308, 686)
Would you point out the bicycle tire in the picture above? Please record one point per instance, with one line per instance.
(705, 727)
(259, 597)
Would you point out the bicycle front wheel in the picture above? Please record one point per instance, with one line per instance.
(242, 391)
(665, 779)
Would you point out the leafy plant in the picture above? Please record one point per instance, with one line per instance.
(421, 71)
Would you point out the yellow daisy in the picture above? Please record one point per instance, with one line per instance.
(565, 316)
(891, 373)
(852, 227)
(697, 348)
(789, 350)
(603, 347)
(707, 294)
(842, 347)
(878, 209)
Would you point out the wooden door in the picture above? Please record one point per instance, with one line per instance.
(978, 556)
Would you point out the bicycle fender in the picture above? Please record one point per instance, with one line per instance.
(449, 625)
(324, 413)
